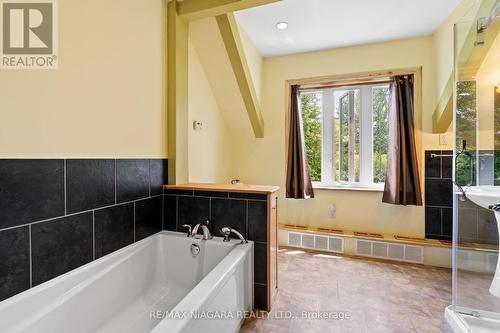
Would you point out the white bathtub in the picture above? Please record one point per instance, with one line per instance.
(133, 289)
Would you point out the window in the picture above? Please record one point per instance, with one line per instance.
(345, 133)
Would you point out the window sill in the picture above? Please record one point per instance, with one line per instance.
(347, 188)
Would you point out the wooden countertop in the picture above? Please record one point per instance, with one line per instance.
(225, 187)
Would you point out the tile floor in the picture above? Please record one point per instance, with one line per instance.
(378, 296)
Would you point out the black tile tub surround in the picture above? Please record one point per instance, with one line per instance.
(257, 218)
(158, 172)
(227, 212)
(148, 219)
(260, 263)
(170, 212)
(71, 208)
(30, 190)
(132, 179)
(61, 245)
(192, 210)
(260, 296)
(114, 228)
(245, 212)
(89, 184)
(14, 261)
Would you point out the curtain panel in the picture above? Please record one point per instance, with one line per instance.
(402, 184)
(298, 180)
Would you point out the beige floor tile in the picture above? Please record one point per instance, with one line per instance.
(378, 296)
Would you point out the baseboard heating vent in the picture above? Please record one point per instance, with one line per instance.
(491, 262)
(294, 239)
(318, 242)
(387, 250)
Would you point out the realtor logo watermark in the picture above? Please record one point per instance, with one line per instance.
(28, 35)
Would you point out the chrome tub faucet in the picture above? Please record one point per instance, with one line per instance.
(228, 231)
(204, 228)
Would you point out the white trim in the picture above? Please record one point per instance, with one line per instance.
(366, 168)
(327, 132)
(366, 136)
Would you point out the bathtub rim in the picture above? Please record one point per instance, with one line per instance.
(209, 287)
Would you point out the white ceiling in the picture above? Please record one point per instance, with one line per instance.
(324, 24)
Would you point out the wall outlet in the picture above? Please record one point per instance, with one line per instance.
(333, 211)
(443, 139)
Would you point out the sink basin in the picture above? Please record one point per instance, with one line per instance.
(486, 196)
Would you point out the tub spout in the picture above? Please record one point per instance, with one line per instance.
(227, 232)
(204, 228)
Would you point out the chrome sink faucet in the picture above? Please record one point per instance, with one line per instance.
(228, 231)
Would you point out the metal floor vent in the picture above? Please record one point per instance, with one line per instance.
(392, 251)
(491, 262)
(318, 242)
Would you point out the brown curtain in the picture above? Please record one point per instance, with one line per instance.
(298, 181)
(402, 184)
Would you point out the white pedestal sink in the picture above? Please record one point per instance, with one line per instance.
(488, 197)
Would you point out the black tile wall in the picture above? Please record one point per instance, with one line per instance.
(132, 179)
(260, 263)
(257, 218)
(170, 212)
(114, 228)
(192, 210)
(447, 221)
(475, 224)
(211, 194)
(250, 196)
(14, 261)
(89, 184)
(260, 296)
(228, 213)
(61, 245)
(30, 190)
(439, 192)
(148, 217)
(244, 212)
(70, 209)
(433, 220)
(438, 195)
(158, 175)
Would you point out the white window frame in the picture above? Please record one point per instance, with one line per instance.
(366, 138)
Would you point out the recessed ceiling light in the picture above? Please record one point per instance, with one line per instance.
(281, 25)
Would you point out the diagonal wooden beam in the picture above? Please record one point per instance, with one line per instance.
(196, 9)
(177, 96)
(232, 41)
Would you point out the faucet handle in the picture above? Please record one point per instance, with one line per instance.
(226, 231)
(189, 232)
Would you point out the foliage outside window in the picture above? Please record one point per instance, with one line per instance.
(466, 123)
(342, 127)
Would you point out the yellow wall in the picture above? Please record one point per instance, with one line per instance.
(209, 149)
(262, 161)
(106, 98)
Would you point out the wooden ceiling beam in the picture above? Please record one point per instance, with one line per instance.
(232, 41)
(197, 9)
